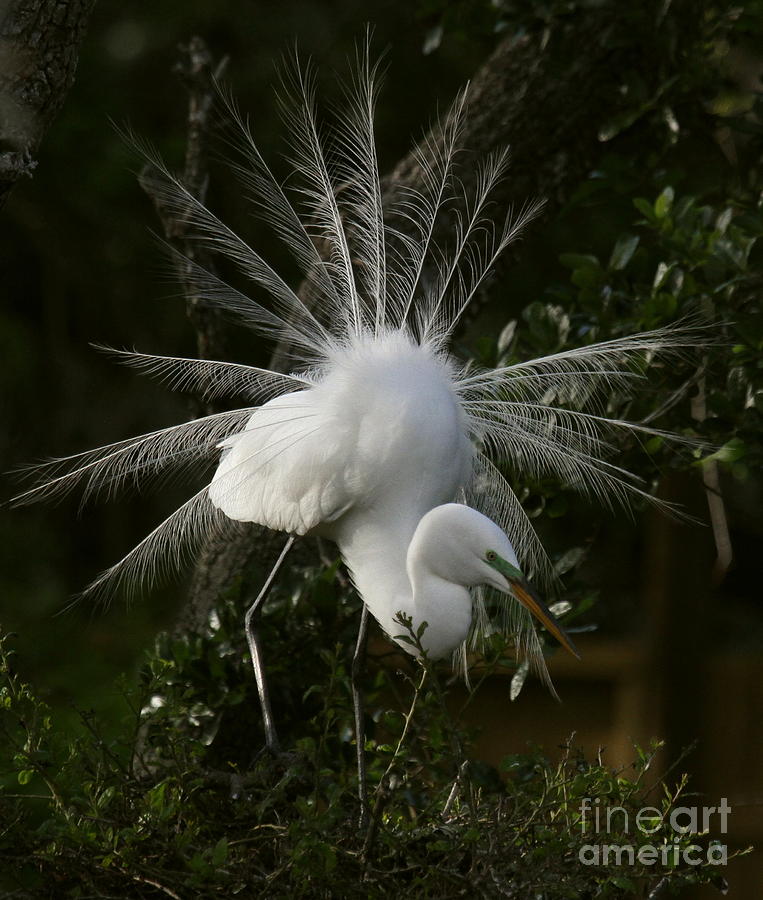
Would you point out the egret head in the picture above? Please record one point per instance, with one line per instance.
(461, 545)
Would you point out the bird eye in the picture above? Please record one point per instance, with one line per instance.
(491, 555)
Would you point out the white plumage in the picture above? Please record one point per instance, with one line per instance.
(446, 557)
(377, 424)
(359, 457)
(381, 426)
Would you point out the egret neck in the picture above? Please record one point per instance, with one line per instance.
(390, 581)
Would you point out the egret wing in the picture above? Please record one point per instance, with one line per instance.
(286, 470)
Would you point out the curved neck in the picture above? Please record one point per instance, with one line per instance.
(377, 557)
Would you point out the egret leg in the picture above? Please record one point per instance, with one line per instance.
(255, 650)
(358, 667)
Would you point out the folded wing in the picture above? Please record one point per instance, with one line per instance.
(286, 470)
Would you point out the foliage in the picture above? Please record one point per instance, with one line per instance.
(156, 811)
(681, 260)
(665, 229)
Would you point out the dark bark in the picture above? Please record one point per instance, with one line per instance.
(39, 48)
(198, 72)
(219, 559)
(548, 96)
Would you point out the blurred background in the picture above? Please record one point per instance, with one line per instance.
(677, 648)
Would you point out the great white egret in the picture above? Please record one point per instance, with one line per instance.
(361, 457)
(377, 428)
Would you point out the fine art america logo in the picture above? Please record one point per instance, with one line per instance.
(674, 846)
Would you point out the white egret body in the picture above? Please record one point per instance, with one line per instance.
(359, 458)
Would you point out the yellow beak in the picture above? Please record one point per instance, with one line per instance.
(526, 595)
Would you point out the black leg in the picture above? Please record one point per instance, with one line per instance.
(358, 668)
(255, 650)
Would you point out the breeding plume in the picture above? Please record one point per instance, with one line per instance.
(377, 437)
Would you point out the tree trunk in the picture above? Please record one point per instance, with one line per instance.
(39, 47)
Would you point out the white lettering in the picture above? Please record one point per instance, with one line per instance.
(691, 828)
(717, 854)
(614, 809)
(589, 855)
(618, 850)
(724, 809)
(649, 814)
(647, 855)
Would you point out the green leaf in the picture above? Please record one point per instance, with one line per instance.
(624, 883)
(558, 506)
(25, 776)
(663, 204)
(663, 270)
(105, 797)
(329, 856)
(623, 251)
(568, 560)
(660, 306)
(645, 208)
(730, 452)
(724, 219)
(507, 336)
(560, 608)
(586, 277)
(220, 852)
(549, 323)
(620, 123)
(518, 679)
(432, 39)
(579, 261)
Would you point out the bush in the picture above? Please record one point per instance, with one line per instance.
(178, 802)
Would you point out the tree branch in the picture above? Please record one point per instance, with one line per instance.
(39, 48)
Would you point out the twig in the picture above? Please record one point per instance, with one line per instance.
(141, 879)
(383, 790)
(660, 889)
(454, 790)
(403, 735)
(199, 75)
(712, 482)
